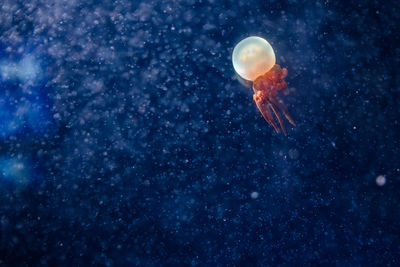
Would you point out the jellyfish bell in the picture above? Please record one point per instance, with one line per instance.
(244, 82)
(253, 57)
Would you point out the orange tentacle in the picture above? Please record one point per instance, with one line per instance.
(265, 112)
(277, 102)
(266, 88)
(279, 117)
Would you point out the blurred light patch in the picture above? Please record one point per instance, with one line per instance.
(24, 105)
(15, 171)
(27, 69)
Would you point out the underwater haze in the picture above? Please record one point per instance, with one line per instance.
(127, 139)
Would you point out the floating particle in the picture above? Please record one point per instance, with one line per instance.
(381, 180)
(254, 195)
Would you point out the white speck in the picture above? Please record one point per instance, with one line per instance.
(381, 180)
(254, 195)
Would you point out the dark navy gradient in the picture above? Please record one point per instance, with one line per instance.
(141, 147)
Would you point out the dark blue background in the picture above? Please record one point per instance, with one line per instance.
(147, 150)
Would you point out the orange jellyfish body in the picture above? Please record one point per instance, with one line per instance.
(254, 59)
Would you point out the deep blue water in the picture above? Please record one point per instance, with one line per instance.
(126, 138)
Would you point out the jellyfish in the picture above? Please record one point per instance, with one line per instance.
(254, 60)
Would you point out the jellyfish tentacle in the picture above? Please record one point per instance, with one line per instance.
(276, 112)
(284, 73)
(265, 111)
(278, 102)
(266, 89)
